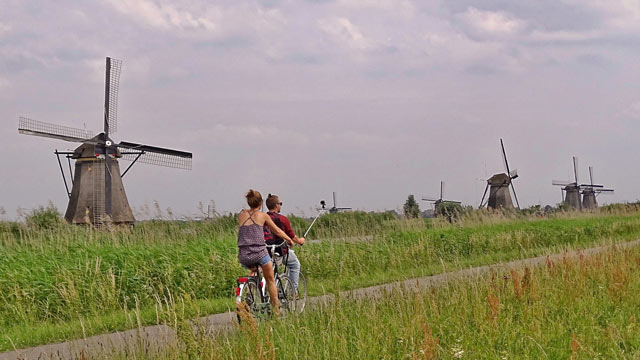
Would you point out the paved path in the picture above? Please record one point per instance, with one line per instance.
(154, 338)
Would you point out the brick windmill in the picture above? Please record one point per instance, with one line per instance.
(574, 189)
(498, 186)
(591, 191)
(571, 190)
(437, 202)
(97, 196)
(334, 209)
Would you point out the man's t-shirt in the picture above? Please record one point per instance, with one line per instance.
(283, 223)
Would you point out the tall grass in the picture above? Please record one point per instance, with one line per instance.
(60, 282)
(575, 308)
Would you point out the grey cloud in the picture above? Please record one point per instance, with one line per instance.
(595, 60)
(424, 102)
(481, 69)
(227, 43)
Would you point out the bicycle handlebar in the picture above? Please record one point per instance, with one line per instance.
(272, 247)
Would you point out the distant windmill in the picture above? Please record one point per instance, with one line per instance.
(335, 207)
(571, 189)
(498, 187)
(591, 191)
(97, 196)
(439, 201)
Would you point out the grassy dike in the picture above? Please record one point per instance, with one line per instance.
(71, 282)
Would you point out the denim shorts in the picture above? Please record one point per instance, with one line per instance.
(262, 262)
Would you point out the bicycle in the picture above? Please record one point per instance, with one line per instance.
(252, 290)
(301, 291)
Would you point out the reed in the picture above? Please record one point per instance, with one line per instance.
(562, 310)
(62, 282)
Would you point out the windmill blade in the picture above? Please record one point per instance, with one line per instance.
(591, 174)
(504, 157)
(28, 126)
(575, 169)
(608, 191)
(591, 186)
(452, 202)
(334, 199)
(430, 199)
(560, 183)
(515, 196)
(441, 190)
(343, 208)
(112, 81)
(484, 195)
(155, 155)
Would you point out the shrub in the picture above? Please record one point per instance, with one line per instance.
(411, 208)
(44, 218)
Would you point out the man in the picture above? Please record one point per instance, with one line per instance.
(275, 205)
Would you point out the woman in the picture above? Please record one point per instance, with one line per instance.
(252, 249)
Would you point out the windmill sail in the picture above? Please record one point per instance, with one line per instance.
(561, 183)
(511, 174)
(112, 82)
(155, 155)
(97, 196)
(32, 127)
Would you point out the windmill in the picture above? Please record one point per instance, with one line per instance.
(498, 186)
(335, 208)
(439, 201)
(97, 196)
(591, 191)
(571, 189)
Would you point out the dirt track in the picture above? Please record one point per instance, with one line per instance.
(154, 338)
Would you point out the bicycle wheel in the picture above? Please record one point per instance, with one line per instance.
(286, 295)
(249, 300)
(301, 300)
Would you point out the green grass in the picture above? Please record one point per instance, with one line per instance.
(68, 282)
(581, 308)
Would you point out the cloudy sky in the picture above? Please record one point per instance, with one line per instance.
(373, 99)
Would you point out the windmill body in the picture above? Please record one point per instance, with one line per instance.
(591, 191)
(97, 196)
(499, 192)
(572, 196)
(85, 203)
(589, 201)
(500, 186)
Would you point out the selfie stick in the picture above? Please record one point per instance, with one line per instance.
(320, 211)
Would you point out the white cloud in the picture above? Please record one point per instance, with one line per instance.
(402, 7)
(619, 15)
(343, 31)
(564, 36)
(4, 83)
(4, 28)
(493, 23)
(632, 111)
(164, 16)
